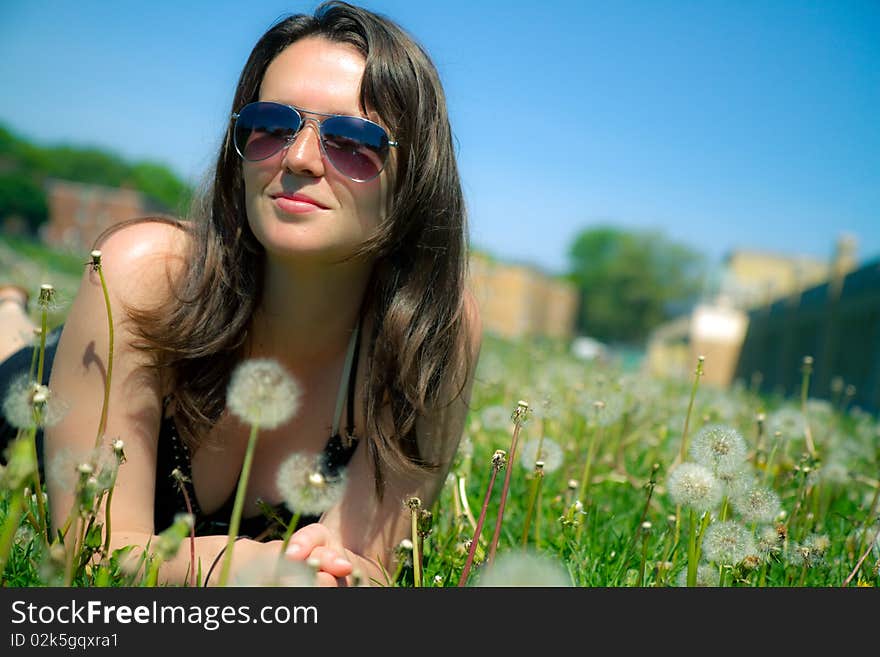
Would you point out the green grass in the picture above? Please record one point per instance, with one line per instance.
(47, 258)
(627, 529)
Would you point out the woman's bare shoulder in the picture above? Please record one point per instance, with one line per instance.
(141, 260)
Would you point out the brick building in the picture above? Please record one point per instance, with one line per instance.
(78, 212)
(520, 301)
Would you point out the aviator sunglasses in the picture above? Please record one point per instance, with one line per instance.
(356, 147)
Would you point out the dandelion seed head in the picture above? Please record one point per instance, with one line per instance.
(707, 576)
(262, 393)
(63, 468)
(23, 395)
(738, 480)
(758, 504)
(819, 542)
(727, 542)
(268, 572)
(833, 473)
(305, 487)
(551, 454)
(168, 542)
(751, 561)
(524, 569)
(495, 418)
(768, 541)
(694, 486)
(803, 554)
(719, 447)
(106, 465)
(788, 422)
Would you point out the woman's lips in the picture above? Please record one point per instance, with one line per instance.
(296, 204)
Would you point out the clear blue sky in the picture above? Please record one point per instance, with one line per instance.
(725, 125)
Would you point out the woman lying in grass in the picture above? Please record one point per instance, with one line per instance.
(331, 242)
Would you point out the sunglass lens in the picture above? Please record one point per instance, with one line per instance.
(263, 129)
(357, 148)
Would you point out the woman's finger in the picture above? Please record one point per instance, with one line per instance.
(332, 561)
(305, 540)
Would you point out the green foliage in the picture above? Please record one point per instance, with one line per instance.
(26, 166)
(629, 280)
(21, 196)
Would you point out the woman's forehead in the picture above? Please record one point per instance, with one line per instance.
(316, 74)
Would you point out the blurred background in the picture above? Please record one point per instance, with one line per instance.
(646, 181)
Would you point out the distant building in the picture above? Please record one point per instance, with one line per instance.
(756, 278)
(521, 301)
(79, 212)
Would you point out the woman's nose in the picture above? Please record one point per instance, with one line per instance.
(304, 157)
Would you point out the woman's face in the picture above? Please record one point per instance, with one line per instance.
(322, 76)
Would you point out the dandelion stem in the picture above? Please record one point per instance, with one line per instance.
(38, 489)
(235, 521)
(466, 507)
(291, 527)
(805, 384)
(595, 439)
(192, 535)
(106, 548)
(102, 423)
(497, 464)
(10, 526)
(44, 325)
(641, 579)
(519, 416)
(692, 550)
(417, 554)
(687, 418)
(538, 476)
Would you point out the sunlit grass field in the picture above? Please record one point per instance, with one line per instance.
(569, 473)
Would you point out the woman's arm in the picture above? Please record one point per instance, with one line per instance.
(364, 531)
(134, 263)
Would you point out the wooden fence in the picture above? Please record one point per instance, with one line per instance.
(837, 323)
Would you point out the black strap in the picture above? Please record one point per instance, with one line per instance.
(352, 378)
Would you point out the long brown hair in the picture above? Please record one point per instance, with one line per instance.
(420, 251)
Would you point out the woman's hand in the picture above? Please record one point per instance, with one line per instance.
(314, 540)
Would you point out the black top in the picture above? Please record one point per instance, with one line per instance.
(172, 453)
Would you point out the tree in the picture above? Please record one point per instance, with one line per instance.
(24, 168)
(22, 197)
(629, 281)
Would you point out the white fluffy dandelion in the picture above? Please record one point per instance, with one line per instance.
(495, 418)
(23, 395)
(810, 552)
(694, 486)
(737, 481)
(788, 421)
(304, 486)
(551, 454)
(728, 542)
(719, 447)
(524, 569)
(707, 576)
(768, 542)
(758, 504)
(262, 393)
(268, 572)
